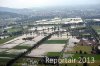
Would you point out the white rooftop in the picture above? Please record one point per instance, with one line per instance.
(59, 20)
(96, 19)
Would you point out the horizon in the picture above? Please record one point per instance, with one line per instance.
(20, 4)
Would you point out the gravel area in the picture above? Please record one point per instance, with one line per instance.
(44, 48)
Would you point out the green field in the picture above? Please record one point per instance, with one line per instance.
(97, 28)
(21, 47)
(96, 56)
(14, 30)
(55, 42)
(4, 60)
(6, 39)
(86, 49)
(4, 54)
(53, 54)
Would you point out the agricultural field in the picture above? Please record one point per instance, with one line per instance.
(15, 46)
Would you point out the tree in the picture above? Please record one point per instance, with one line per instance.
(85, 52)
(76, 52)
(48, 29)
(80, 51)
(65, 64)
(85, 64)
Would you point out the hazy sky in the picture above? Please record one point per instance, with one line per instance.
(44, 3)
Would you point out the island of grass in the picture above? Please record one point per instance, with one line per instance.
(55, 42)
(21, 47)
(53, 54)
